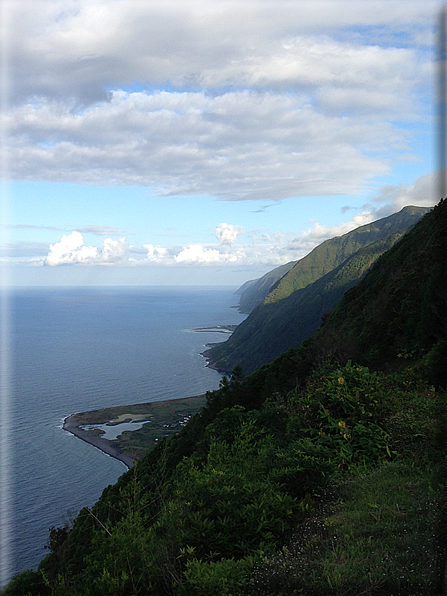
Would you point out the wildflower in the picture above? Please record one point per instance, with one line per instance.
(341, 381)
(342, 424)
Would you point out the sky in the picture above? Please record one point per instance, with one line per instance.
(206, 142)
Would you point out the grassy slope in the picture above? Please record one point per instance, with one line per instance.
(399, 311)
(336, 488)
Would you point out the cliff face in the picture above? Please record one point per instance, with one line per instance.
(293, 309)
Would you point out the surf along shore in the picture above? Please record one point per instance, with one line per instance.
(159, 419)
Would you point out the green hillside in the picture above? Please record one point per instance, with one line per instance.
(399, 311)
(315, 475)
(274, 328)
(258, 289)
(331, 253)
(277, 325)
(282, 281)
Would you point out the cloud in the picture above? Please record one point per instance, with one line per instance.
(197, 253)
(24, 250)
(79, 49)
(423, 193)
(100, 230)
(236, 146)
(310, 238)
(389, 200)
(227, 234)
(238, 101)
(71, 249)
(30, 227)
(156, 253)
(264, 248)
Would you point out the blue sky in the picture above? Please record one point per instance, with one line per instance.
(206, 142)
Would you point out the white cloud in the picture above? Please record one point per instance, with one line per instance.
(270, 100)
(227, 234)
(77, 48)
(71, 249)
(423, 192)
(156, 253)
(100, 230)
(310, 238)
(197, 253)
(250, 100)
(264, 249)
(239, 145)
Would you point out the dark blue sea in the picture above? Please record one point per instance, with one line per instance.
(78, 349)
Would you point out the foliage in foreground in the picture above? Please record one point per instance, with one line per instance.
(332, 488)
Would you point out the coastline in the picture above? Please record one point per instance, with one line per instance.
(72, 425)
(165, 417)
(210, 363)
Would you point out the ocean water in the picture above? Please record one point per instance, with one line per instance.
(77, 349)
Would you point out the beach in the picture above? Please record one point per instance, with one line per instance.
(161, 419)
(72, 425)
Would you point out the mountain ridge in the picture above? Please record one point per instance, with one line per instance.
(277, 324)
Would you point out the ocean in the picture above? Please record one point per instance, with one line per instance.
(78, 349)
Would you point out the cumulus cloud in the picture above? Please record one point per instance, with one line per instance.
(227, 234)
(310, 238)
(156, 253)
(71, 249)
(197, 253)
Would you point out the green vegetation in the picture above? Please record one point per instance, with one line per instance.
(294, 494)
(257, 290)
(294, 307)
(315, 475)
(331, 253)
(397, 316)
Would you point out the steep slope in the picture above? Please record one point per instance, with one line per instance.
(331, 253)
(277, 325)
(399, 311)
(257, 290)
(274, 328)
